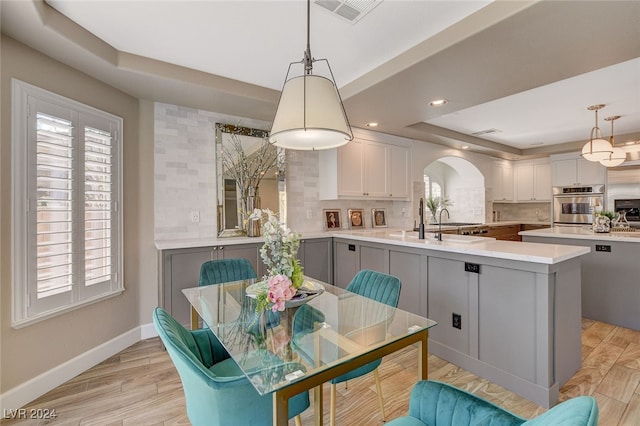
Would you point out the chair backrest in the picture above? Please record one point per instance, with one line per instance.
(224, 270)
(212, 398)
(380, 287)
(437, 403)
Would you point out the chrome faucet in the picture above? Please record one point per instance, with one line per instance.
(439, 233)
(421, 214)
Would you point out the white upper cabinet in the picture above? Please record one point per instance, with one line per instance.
(350, 162)
(366, 169)
(399, 176)
(502, 182)
(533, 181)
(571, 169)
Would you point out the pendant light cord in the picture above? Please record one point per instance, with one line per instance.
(308, 63)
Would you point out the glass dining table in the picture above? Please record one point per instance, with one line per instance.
(310, 342)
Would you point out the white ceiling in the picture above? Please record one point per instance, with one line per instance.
(527, 68)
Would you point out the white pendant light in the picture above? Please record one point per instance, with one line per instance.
(597, 148)
(618, 156)
(310, 113)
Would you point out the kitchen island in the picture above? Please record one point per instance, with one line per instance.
(610, 284)
(507, 311)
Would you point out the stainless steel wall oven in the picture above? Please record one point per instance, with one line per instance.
(574, 205)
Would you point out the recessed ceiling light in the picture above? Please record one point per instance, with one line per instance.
(465, 147)
(372, 124)
(437, 102)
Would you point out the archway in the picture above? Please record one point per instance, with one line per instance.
(460, 183)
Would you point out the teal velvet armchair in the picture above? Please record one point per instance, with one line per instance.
(216, 391)
(435, 403)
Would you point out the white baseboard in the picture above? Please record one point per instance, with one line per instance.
(39, 385)
(148, 331)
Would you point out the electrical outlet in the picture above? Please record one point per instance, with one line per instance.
(456, 321)
(309, 214)
(195, 216)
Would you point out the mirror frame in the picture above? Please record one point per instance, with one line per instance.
(220, 130)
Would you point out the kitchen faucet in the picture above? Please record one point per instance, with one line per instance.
(439, 234)
(421, 214)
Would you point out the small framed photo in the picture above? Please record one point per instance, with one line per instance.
(332, 219)
(356, 218)
(378, 218)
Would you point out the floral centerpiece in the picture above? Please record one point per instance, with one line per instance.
(284, 272)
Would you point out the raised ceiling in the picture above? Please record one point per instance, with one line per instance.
(527, 69)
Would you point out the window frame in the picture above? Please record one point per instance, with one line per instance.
(27, 102)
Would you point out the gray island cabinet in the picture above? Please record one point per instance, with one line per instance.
(610, 283)
(507, 311)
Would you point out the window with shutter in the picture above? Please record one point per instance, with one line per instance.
(66, 173)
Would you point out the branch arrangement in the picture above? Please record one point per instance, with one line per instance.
(248, 171)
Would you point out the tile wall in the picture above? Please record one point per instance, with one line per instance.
(526, 212)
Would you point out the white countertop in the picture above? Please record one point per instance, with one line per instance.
(472, 245)
(214, 241)
(481, 246)
(583, 233)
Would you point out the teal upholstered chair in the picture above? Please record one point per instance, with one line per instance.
(221, 271)
(216, 391)
(435, 403)
(382, 288)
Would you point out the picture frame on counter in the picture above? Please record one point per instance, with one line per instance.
(378, 218)
(332, 219)
(356, 218)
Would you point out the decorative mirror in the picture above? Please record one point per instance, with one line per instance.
(249, 174)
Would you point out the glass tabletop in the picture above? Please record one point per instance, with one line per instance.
(277, 349)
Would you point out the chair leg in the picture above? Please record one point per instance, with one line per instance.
(379, 389)
(332, 413)
(194, 319)
(298, 420)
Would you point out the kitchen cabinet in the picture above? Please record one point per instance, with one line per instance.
(409, 265)
(450, 287)
(181, 269)
(533, 181)
(530, 227)
(505, 232)
(502, 182)
(316, 257)
(366, 169)
(411, 268)
(346, 262)
(576, 171)
(350, 257)
(514, 322)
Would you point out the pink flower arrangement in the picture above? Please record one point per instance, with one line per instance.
(280, 290)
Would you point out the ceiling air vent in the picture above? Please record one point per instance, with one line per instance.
(350, 10)
(486, 132)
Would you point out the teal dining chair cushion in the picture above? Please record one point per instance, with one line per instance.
(434, 403)
(216, 391)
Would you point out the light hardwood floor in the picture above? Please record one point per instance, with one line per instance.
(140, 386)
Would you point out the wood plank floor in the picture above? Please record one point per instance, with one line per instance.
(140, 386)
